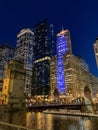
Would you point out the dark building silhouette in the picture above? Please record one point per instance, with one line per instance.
(44, 49)
(44, 40)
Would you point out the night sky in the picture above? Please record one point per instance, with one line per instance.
(79, 16)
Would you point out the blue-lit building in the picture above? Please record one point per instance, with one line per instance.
(63, 47)
(44, 49)
(69, 74)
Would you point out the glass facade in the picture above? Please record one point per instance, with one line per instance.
(41, 78)
(41, 46)
(24, 53)
(24, 48)
(43, 50)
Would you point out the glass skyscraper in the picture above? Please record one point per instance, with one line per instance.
(44, 49)
(24, 54)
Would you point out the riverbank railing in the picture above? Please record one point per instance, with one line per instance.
(8, 126)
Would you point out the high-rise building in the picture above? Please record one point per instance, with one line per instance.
(63, 47)
(41, 77)
(44, 49)
(76, 77)
(6, 54)
(24, 53)
(44, 40)
(69, 73)
(96, 50)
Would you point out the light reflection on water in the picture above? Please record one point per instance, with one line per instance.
(42, 121)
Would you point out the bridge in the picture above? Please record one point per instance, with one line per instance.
(79, 103)
(56, 107)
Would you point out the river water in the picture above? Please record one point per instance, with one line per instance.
(39, 120)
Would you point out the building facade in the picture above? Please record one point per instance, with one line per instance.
(94, 84)
(44, 40)
(6, 54)
(44, 49)
(69, 73)
(13, 84)
(95, 45)
(76, 77)
(41, 77)
(24, 54)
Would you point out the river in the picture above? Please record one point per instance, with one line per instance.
(39, 120)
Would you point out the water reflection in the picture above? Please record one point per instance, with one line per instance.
(42, 121)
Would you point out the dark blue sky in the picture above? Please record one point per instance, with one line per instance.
(79, 16)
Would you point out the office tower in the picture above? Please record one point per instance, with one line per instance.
(95, 45)
(41, 77)
(24, 53)
(44, 40)
(76, 77)
(6, 54)
(63, 47)
(44, 49)
(69, 73)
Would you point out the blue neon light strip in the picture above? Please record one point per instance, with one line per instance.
(61, 50)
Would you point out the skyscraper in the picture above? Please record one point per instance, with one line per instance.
(95, 45)
(63, 47)
(44, 49)
(44, 40)
(69, 73)
(24, 53)
(75, 76)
